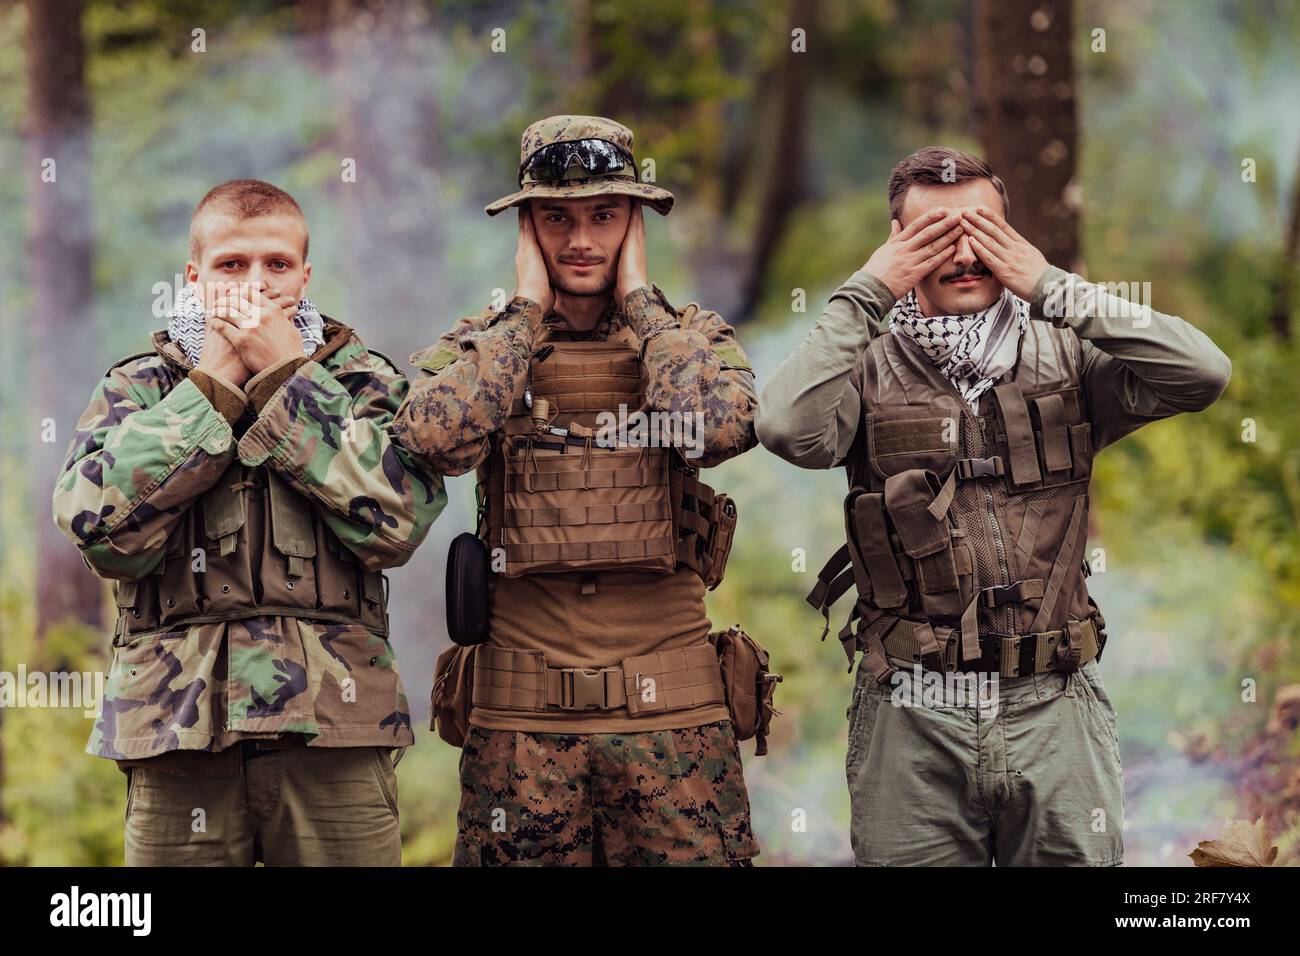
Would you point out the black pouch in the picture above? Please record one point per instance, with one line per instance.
(468, 578)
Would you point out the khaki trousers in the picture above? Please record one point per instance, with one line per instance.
(301, 806)
(1034, 781)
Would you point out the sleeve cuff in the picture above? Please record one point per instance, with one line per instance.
(875, 287)
(521, 319)
(265, 383)
(226, 397)
(648, 313)
(1047, 302)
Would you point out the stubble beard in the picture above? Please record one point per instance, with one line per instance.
(605, 288)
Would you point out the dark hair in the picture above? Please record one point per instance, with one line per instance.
(939, 166)
(244, 199)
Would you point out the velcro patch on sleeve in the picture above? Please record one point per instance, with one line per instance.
(732, 356)
(435, 358)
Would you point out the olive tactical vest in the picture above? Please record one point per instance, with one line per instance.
(559, 493)
(966, 531)
(252, 546)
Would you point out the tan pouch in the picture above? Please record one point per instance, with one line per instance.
(453, 686)
(750, 686)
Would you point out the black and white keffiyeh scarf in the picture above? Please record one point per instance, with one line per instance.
(186, 325)
(971, 351)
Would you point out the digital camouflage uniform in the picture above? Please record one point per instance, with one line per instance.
(190, 702)
(663, 796)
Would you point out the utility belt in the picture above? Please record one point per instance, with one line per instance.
(661, 682)
(1014, 655)
(251, 546)
(730, 668)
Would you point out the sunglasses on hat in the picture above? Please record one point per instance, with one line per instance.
(598, 157)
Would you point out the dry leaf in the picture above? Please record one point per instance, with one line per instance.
(1239, 844)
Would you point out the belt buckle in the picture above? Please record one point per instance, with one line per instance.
(582, 689)
(999, 594)
(981, 467)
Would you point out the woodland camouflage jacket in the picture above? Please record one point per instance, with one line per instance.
(157, 435)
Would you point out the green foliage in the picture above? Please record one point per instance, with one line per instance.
(1200, 527)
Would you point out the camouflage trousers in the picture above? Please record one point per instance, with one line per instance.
(300, 806)
(667, 797)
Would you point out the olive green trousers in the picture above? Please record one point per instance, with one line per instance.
(1031, 776)
(301, 806)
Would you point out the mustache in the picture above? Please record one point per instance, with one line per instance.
(974, 271)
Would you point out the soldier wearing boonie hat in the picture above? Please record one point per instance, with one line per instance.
(600, 724)
(568, 157)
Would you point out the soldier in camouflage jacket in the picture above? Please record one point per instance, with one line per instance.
(313, 699)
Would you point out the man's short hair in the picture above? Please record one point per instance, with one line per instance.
(939, 166)
(244, 199)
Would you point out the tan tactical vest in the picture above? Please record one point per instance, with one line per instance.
(252, 546)
(559, 494)
(966, 532)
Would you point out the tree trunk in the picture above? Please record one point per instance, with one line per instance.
(65, 362)
(1284, 292)
(1025, 106)
(783, 166)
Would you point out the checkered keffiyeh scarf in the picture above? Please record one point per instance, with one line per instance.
(186, 324)
(972, 351)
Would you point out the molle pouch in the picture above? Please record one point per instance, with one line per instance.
(749, 685)
(137, 605)
(468, 580)
(927, 540)
(906, 437)
(337, 575)
(723, 525)
(453, 687)
(225, 542)
(1052, 434)
(1047, 441)
(289, 546)
(1022, 465)
(374, 599)
(874, 565)
(179, 585)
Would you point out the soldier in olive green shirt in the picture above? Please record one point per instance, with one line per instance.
(957, 339)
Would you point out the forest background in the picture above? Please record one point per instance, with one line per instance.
(1142, 141)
